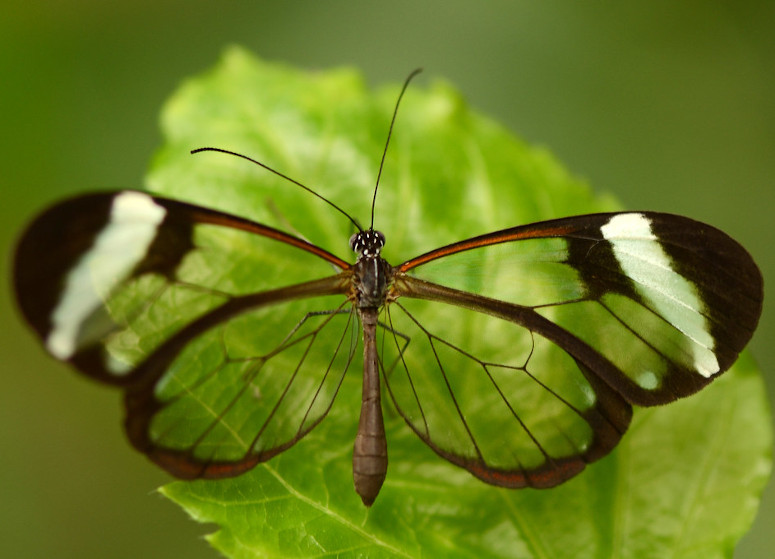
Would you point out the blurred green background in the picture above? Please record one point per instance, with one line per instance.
(669, 105)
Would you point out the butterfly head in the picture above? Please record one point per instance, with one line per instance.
(367, 244)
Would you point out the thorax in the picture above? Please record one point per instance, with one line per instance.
(372, 277)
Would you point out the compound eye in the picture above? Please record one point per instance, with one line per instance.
(380, 238)
(356, 245)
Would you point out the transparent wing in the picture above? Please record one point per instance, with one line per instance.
(493, 397)
(244, 390)
(104, 279)
(528, 345)
(655, 304)
(200, 316)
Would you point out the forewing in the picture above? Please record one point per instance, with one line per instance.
(657, 305)
(198, 314)
(104, 279)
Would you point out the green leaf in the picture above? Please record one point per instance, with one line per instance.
(686, 478)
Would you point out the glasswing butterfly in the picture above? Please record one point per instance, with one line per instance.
(595, 313)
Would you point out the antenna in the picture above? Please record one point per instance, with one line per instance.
(387, 142)
(284, 176)
(326, 200)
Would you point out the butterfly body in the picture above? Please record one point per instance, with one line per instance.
(371, 278)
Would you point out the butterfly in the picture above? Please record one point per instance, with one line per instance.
(231, 339)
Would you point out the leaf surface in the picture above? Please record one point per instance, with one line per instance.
(686, 478)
